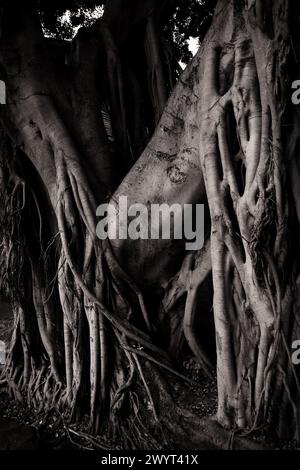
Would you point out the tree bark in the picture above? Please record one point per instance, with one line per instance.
(228, 136)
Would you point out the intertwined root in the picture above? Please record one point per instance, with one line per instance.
(89, 354)
(91, 344)
(244, 170)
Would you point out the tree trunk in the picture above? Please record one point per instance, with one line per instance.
(85, 336)
(246, 160)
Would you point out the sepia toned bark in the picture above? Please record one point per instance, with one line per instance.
(86, 338)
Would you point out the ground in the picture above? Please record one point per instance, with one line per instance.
(50, 430)
(23, 428)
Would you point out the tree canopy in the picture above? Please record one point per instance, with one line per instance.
(180, 20)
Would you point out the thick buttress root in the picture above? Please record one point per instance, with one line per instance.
(90, 341)
(114, 355)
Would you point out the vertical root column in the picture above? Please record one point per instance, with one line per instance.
(246, 295)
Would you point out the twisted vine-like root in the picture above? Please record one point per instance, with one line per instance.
(245, 180)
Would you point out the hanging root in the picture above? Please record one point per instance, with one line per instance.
(243, 164)
(87, 285)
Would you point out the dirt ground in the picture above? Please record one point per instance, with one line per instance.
(24, 428)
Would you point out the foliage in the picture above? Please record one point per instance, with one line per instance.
(181, 20)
